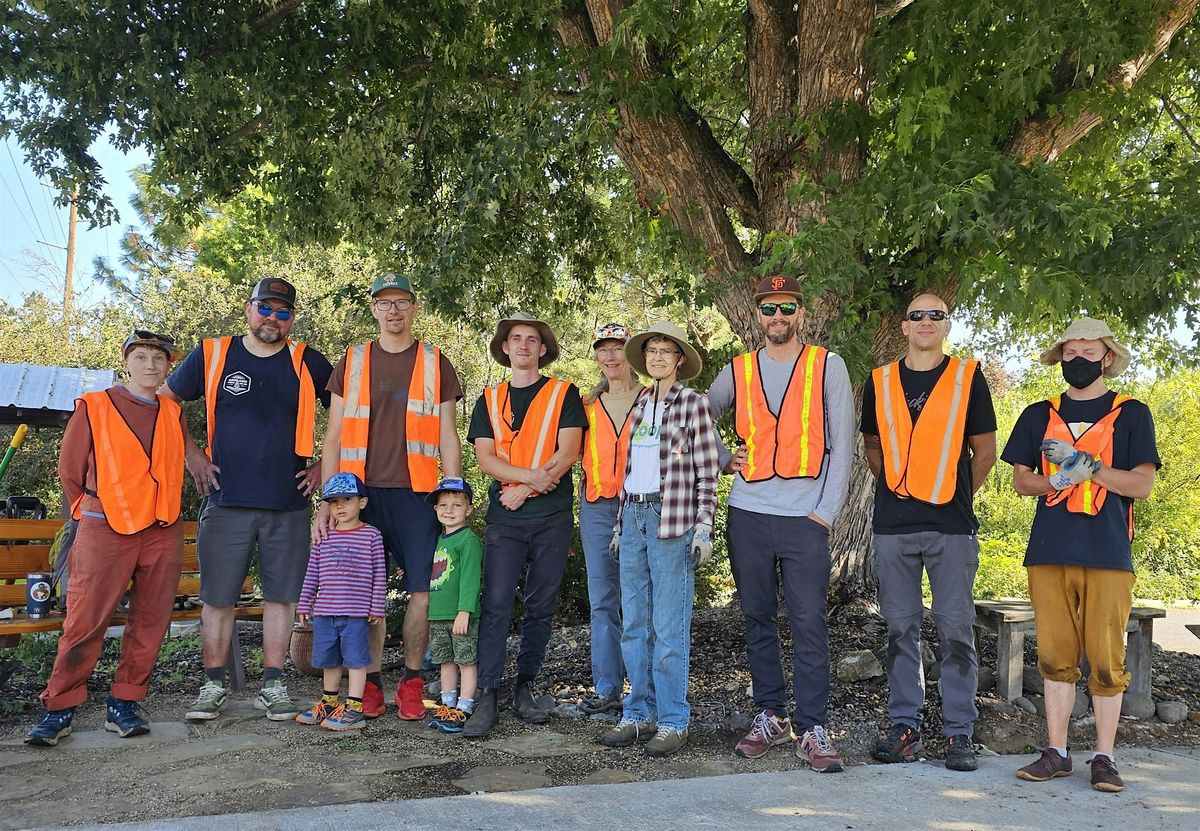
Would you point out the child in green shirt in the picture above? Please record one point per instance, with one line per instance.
(454, 589)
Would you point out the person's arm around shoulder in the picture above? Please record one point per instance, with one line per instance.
(449, 443)
(839, 410)
(720, 399)
(378, 579)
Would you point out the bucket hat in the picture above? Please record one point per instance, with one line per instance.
(1088, 328)
(520, 318)
(692, 364)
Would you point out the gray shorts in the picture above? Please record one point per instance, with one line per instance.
(226, 540)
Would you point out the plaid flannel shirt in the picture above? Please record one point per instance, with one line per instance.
(687, 455)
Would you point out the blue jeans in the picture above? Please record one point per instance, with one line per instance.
(657, 584)
(596, 523)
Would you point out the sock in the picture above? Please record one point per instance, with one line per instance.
(330, 698)
(217, 676)
(1108, 755)
(375, 678)
(272, 674)
(410, 674)
(467, 705)
(450, 697)
(354, 703)
(524, 678)
(1061, 751)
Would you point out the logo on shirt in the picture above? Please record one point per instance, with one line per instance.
(236, 383)
(443, 567)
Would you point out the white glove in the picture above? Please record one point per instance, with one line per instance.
(1057, 451)
(1079, 468)
(701, 551)
(614, 546)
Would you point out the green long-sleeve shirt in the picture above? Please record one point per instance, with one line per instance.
(454, 584)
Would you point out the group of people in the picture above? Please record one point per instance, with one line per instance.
(394, 502)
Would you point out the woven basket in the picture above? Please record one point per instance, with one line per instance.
(302, 644)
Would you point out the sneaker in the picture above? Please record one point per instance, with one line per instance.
(315, 714)
(55, 724)
(629, 732)
(441, 710)
(767, 731)
(902, 744)
(209, 702)
(343, 718)
(1105, 776)
(667, 742)
(274, 698)
(123, 718)
(451, 721)
(410, 699)
(816, 748)
(373, 706)
(960, 753)
(1047, 767)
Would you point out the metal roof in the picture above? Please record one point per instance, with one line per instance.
(46, 394)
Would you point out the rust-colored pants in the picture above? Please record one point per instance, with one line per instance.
(103, 563)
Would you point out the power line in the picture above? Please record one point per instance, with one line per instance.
(21, 182)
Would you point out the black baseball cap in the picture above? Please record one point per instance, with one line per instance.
(275, 288)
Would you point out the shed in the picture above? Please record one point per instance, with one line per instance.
(44, 396)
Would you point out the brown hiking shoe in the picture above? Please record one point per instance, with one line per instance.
(1047, 767)
(816, 748)
(628, 732)
(1104, 775)
(767, 731)
(667, 742)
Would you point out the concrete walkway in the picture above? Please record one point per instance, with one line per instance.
(1162, 792)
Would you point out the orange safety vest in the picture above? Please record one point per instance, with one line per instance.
(135, 490)
(216, 350)
(604, 452)
(533, 444)
(921, 461)
(1097, 440)
(422, 419)
(799, 453)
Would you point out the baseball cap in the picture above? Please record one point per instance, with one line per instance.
(611, 331)
(343, 484)
(144, 337)
(392, 280)
(275, 288)
(778, 284)
(451, 486)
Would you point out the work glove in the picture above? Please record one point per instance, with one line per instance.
(614, 546)
(1057, 451)
(701, 551)
(1079, 468)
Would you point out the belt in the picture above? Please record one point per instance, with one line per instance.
(644, 497)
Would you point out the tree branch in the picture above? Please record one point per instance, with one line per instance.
(250, 127)
(891, 8)
(1170, 108)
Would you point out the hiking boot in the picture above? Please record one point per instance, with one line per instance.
(610, 703)
(525, 707)
(274, 698)
(816, 748)
(629, 732)
(902, 744)
(667, 742)
(451, 721)
(122, 718)
(1047, 767)
(410, 699)
(960, 753)
(55, 724)
(484, 718)
(1105, 776)
(315, 714)
(343, 718)
(209, 702)
(767, 731)
(373, 706)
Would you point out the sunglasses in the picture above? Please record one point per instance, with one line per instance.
(280, 314)
(936, 315)
(769, 309)
(612, 331)
(153, 337)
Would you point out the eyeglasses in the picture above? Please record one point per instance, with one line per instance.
(386, 304)
(655, 352)
(769, 309)
(281, 314)
(936, 315)
(154, 337)
(610, 351)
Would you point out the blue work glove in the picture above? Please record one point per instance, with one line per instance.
(1079, 468)
(701, 551)
(1057, 451)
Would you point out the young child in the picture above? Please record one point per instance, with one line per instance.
(454, 604)
(344, 592)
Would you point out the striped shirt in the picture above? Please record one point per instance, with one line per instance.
(346, 575)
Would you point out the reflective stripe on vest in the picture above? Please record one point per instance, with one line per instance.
(216, 351)
(604, 452)
(135, 490)
(1097, 440)
(800, 452)
(534, 443)
(422, 417)
(921, 461)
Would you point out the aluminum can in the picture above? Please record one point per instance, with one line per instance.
(38, 594)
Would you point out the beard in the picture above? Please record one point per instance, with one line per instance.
(266, 334)
(786, 336)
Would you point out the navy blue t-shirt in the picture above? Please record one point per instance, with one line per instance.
(1060, 537)
(255, 438)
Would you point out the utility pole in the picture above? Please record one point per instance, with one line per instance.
(69, 287)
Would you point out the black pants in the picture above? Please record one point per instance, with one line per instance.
(537, 548)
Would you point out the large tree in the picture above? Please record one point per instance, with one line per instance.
(1027, 159)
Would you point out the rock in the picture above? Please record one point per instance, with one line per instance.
(732, 685)
(1032, 680)
(998, 705)
(1161, 680)
(987, 680)
(434, 689)
(217, 744)
(933, 674)
(1005, 737)
(568, 710)
(739, 722)
(1025, 704)
(858, 665)
(750, 691)
(546, 702)
(1039, 704)
(1171, 712)
(606, 776)
(1082, 702)
(1140, 707)
(604, 718)
(928, 659)
(1194, 717)
(490, 779)
(540, 745)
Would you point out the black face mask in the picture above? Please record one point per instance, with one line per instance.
(1081, 373)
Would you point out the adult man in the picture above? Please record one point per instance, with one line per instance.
(1086, 455)
(929, 431)
(391, 421)
(260, 392)
(794, 416)
(527, 432)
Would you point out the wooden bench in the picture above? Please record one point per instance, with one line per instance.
(25, 547)
(1013, 620)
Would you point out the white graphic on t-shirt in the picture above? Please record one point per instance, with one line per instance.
(236, 383)
(1078, 428)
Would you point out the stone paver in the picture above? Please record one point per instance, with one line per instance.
(606, 776)
(542, 745)
(218, 777)
(9, 758)
(491, 779)
(16, 786)
(379, 764)
(219, 745)
(161, 732)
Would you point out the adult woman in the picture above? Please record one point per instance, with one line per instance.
(665, 528)
(609, 410)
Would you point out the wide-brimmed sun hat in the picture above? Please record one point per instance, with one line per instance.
(521, 319)
(1088, 328)
(692, 364)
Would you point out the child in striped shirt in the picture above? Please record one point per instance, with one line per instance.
(344, 592)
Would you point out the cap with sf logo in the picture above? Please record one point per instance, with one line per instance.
(778, 284)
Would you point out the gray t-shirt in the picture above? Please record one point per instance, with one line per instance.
(796, 497)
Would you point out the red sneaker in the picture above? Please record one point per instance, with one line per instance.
(373, 705)
(410, 702)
